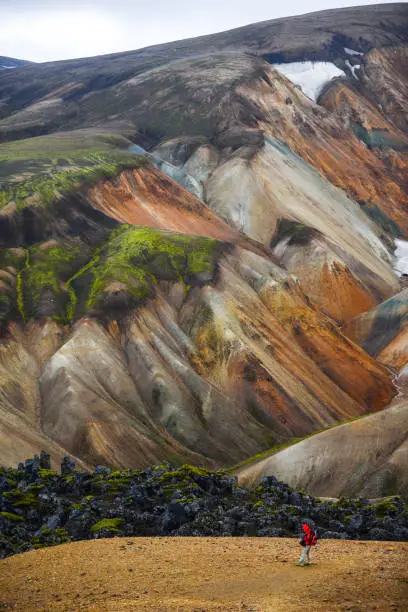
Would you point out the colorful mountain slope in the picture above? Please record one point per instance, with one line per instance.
(184, 234)
(366, 457)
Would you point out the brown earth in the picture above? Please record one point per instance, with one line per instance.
(206, 574)
(148, 197)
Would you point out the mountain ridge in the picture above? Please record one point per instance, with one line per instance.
(383, 10)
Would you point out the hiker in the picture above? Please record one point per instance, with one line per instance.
(308, 540)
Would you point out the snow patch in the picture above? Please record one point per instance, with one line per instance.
(352, 52)
(353, 68)
(401, 257)
(310, 76)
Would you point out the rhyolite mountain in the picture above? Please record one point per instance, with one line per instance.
(198, 251)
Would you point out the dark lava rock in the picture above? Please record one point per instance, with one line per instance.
(67, 465)
(378, 534)
(41, 508)
(333, 535)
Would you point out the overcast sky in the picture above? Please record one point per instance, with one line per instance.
(42, 30)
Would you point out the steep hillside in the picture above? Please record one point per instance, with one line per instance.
(197, 243)
(191, 366)
(365, 457)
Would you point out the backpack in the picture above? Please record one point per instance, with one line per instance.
(312, 538)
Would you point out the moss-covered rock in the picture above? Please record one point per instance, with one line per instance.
(47, 474)
(43, 290)
(184, 474)
(11, 516)
(21, 499)
(125, 271)
(65, 278)
(111, 524)
(42, 508)
(386, 506)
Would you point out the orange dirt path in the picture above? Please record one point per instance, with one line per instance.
(186, 574)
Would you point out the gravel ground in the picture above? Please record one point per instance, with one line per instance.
(206, 574)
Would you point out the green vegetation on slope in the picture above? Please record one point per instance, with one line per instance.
(38, 170)
(47, 268)
(11, 262)
(63, 279)
(125, 271)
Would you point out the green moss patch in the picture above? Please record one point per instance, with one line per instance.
(21, 499)
(10, 516)
(64, 279)
(113, 524)
(386, 506)
(39, 170)
(125, 271)
(184, 474)
(47, 189)
(46, 474)
(45, 273)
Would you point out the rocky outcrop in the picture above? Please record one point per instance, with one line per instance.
(365, 457)
(331, 279)
(360, 114)
(276, 184)
(22, 356)
(92, 406)
(40, 507)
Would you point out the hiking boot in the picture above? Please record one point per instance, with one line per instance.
(299, 564)
(307, 564)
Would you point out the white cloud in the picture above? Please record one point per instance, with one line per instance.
(60, 34)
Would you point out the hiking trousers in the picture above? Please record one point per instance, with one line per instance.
(306, 554)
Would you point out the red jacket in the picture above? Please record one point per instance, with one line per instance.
(310, 537)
